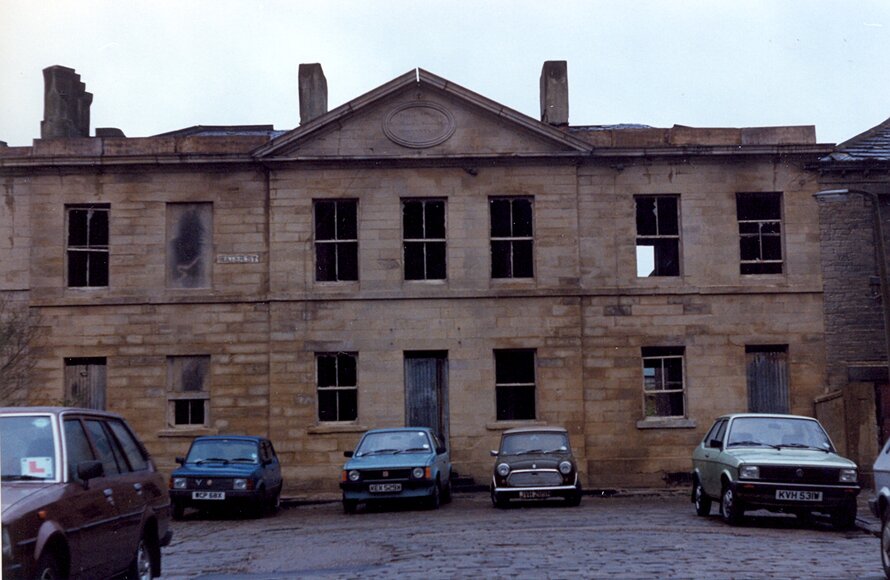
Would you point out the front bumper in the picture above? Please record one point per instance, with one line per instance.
(411, 488)
(763, 494)
(184, 497)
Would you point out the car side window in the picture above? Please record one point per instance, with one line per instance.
(264, 452)
(721, 431)
(272, 454)
(110, 457)
(77, 445)
(711, 432)
(132, 450)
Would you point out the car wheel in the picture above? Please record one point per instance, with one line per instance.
(274, 505)
(885, 544)
(49, 567)
(844, 517)
(574, 499)
(349, 506)
(446, 493)
(140, 567)
(701, 501)
(435, 499)
(731, 507)
(498, 501)
(178, 511)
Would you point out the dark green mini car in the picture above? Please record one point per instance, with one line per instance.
(783, 463)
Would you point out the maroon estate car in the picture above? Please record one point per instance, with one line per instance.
(81, 496)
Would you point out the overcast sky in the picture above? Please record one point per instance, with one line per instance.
(156, 66)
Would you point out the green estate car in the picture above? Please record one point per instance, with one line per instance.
(783, 463)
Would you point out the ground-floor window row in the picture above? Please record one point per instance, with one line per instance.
(515, 388)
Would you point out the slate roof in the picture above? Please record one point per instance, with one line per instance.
(224, 131)
(872, 145)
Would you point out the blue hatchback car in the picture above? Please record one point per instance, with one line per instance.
(397, 464)
(227, 471)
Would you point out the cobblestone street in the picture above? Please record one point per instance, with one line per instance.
(638, 536)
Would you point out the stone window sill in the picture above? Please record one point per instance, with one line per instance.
(666, 424)
(187, 432)
(328, 428)
(504, 425)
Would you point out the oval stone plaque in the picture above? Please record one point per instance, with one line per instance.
(419, 125)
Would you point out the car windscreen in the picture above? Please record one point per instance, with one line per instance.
(777, 432)
(223, 451)
(394, 442)
(519, 443)
(27, 448)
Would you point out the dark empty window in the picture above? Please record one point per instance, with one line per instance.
(337, 386)
(188, 380)
(512, 238)
(760, 232)
(664, 390)
(423, 232)
(87, 246)
(189, 245)
(658, 235)
(336, 240)
(515, 384)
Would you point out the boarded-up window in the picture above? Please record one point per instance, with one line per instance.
(760, 232)
(336, 240)
(767, 370)
(85, 380)
(188, 386)
(337, 378)
(512, 237)
(658, 235)
(515, 384)
(664, 389)
(189, 245)
(87, 245)
(423, 232)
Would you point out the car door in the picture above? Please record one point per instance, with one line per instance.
(442, 461)
(710, 464)
(272, 467)
(88, 512)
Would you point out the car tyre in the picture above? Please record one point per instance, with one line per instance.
(885, 543)
(701, 500)
(178, 510)
(49, 567)
(574, 499)
(435, 499)
(349, 506)
(731, 507)
(498, 501)
(844, 517)
(446, 493)
(140, 566)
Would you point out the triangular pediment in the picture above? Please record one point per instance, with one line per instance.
(420, 115)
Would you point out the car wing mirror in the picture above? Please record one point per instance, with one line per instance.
(87, 470)
(715, 444)
(348, 454)
(494, 453)
(180, 460)
(440, 450)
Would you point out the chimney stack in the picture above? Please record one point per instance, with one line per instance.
(313, 89)
(555, 93)
(66, 104)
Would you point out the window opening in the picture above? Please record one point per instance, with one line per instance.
(760, 232)
(87, 246)
(515, 384)
(336, 240)
(658, 235)
(512, 238)
(337, 380)
(423, 231)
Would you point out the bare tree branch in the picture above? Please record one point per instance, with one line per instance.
(19, 328)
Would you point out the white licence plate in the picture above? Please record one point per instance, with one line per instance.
(385, 487)
(208, 495)
(534, 494)
(794, 495)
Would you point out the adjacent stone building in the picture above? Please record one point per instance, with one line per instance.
(421, 255)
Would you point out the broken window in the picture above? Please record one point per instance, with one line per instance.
(336, 240)
(515, 384)
(85, 380)
(760, 232)
(512, 241)
(189, 245)
(767, 373)
(664, 390)
(188, 390)
(87, 247)
(423, 232)
(658, 235)
(337, 380)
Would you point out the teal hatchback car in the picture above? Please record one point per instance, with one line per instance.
(408, 463)
(783, 463)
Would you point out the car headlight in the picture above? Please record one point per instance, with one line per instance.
(7, 545)
(354, 475)
(849, 476)
(503, 470)
(418, 473)
(239, 484)
(180, 483)
(565, 467)
(749, 472)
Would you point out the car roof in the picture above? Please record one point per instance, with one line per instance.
(47, 410)
(404, 429)
(538, 429)
(767, 416)
(223, 437)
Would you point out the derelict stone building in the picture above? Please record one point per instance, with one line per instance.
(420, 255)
